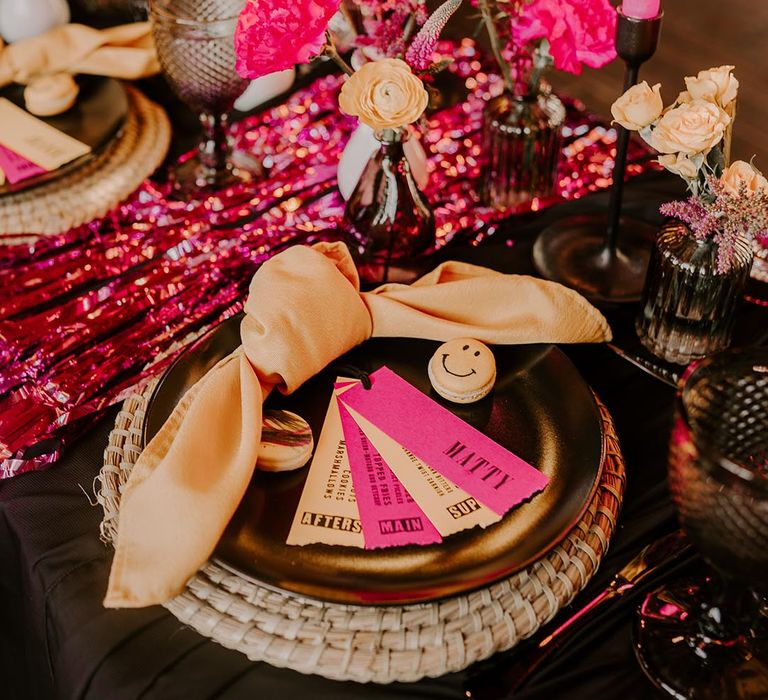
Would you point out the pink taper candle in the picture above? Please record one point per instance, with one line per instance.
(641, 9)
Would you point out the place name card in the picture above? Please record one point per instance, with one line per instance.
(36, 141)
(493, 475)
(450, 509)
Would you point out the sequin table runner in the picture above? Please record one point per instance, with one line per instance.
(87, 315)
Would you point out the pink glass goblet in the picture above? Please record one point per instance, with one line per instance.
(707, 638)
(195, 46)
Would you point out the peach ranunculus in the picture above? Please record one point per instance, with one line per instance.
(638, 107)
(716, 85)
(691, 128)
(384, 94)
(742, 174)
(681, 165)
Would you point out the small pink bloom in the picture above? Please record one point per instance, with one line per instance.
(273, 35)
(579, 31)
(384, 23)
(419, 54)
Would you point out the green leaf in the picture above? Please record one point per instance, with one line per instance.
(435, 68)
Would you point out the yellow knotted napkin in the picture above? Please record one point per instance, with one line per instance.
(126, 51)
(304, 309)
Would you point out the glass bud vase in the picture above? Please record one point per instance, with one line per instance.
(387, 221)
(688, 306)
(522, 141)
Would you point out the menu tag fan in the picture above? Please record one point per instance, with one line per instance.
(389, 515)
(327, 511)
(17, 168)
(472, 461)
(450, 509)
(36, 141)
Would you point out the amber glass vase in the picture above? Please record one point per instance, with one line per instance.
(388, 222)
(522, 141)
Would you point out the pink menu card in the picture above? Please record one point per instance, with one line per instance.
(16, 167)
(388, 514)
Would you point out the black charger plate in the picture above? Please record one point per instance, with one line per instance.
(95, 120)
(541, 409)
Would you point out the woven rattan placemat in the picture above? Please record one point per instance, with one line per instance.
(92, 190)
(380, 644)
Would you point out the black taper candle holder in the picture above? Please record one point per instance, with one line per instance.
(587, 253)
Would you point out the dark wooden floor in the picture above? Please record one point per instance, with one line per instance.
(696, 34)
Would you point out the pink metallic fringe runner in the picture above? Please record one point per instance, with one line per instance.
(86, 313)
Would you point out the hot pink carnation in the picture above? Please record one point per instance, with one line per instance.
(578, 31)
(273, 35)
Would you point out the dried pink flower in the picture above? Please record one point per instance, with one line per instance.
(723, 216)
(388, 24)
(273, 35)
(419, 55)
(579, 31)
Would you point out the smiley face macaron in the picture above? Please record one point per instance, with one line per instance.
(286, 441)
(51, 94)
(462, 370)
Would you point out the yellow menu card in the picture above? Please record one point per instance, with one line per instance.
(35, 140)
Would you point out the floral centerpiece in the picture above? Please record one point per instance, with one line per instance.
(703, 256)
(529, 35)
(275, 35)
(399, 29)
(522, 125)
(387, 220)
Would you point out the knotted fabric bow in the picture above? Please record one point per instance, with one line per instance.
(126, 51)
(304, 309)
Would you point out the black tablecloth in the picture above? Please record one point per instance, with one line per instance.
(58, 641)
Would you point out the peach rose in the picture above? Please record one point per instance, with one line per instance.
(716, 85)
(680, 164)
(739, 174)
(384, 94)
(638, 107)
(693, 127)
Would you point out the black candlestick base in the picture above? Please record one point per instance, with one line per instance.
(573, 252)
(606, 258)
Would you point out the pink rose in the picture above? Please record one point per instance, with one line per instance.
(273, 35)
(579, 31)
